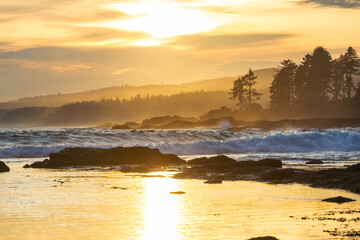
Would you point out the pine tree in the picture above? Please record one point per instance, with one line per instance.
(351, 65)
(282, 88)
(244, 91)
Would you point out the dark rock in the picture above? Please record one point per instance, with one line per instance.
(269, 162)
(314, 161)
(338, 199)
(354, 168)
(123, 126)
(247, 164)
(278, 174)
(113, 156)
(220, 159)
(177, 192)
(201, 160)
(4, 167)
(264, 238)
(216, 160)
(214, 180)
(26, 166)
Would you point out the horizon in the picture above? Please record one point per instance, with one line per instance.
(77, 46)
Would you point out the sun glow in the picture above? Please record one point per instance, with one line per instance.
(163, 19)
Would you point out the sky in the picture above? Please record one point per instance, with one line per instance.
(52, 46)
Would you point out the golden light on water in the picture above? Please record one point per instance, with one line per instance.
(161, 210)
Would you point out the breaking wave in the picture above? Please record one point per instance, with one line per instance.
(29, 143)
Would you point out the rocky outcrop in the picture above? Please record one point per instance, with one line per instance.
(113, 156)
(270, 170)
(264, 238)
(4, 167)
(338, 199)
(217, 160)
(314, 161)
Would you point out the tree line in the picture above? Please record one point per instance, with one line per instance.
(317, 81)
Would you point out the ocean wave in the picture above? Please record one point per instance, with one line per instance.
(278, 142)
(182, 142)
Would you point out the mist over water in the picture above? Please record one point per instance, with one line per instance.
(334, 144)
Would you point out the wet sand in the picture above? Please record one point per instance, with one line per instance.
(105, 204)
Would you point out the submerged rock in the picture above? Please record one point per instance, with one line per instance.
(338, 199)
(267, 163)
(278, 174)
(314, 161)
(214, 180)
(4, 167)
(177, 192)
(264, 238)
(78, 156)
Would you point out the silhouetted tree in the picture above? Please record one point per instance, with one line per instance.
(244, 91)
(312, 78)
(351, 65)
(302, 80)
(336, 83)
(282, 87)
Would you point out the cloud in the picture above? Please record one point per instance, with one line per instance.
(122, 71)
(199, 41)
(333, 3)
(67, 68)
(98, 34)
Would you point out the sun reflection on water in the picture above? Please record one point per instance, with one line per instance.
(161, 209)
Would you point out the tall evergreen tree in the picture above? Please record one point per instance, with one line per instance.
(312, 78)
(320, 74)
(351, 65)
(282, 88)
(238, 92)
(244, 91)
(336, 83)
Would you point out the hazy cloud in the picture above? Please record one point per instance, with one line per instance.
(333, 3)
(122, 71)
(199, 41)
(71, 67)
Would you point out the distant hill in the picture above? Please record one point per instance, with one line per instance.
(127, 92)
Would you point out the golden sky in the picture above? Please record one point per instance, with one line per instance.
(49, 46)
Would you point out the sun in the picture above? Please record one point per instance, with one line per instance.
(163, 19)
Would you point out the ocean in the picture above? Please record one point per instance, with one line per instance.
(334, 146)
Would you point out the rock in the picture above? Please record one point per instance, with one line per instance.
(269, 162)
(4, 167)
(264, 238)
(197, 160)
(338, 199)
(113, 156)
(123, 127)
(221, 160)
(216, 160)
(247, 164)
(314, 161)
(215, 180)
(177, 192)
(278, 174)
(26, 166)
(354, 168)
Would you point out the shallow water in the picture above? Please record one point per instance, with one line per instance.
(99, 204)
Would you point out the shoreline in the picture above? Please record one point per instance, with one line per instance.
(214, 169)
